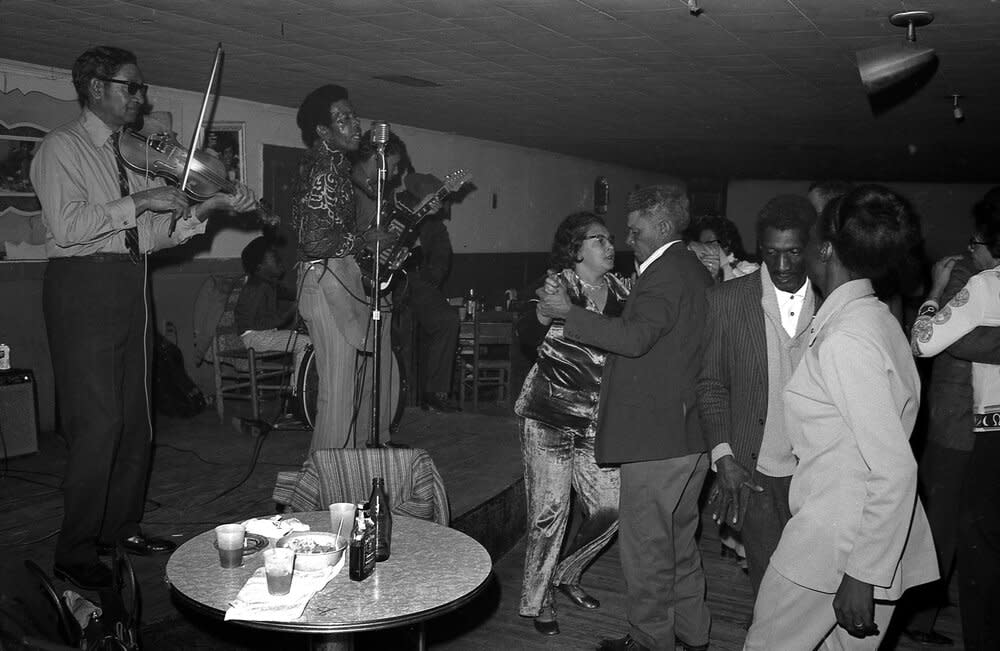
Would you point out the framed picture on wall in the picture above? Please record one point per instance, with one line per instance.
(226, 139)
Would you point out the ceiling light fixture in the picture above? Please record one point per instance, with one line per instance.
(892, 73)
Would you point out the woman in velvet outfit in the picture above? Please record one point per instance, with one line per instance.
(557, 412)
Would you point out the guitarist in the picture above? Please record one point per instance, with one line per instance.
(438, 320)
(332, 299)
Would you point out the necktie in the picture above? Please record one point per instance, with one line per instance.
(131, 234)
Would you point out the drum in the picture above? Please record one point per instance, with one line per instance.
(308, 387)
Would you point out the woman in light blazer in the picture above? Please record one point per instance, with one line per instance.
(858, 536)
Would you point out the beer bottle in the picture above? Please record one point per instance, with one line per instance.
(378, 503)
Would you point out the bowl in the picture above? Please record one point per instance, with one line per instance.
(314, 550)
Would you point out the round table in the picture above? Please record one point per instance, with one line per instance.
(432, 570)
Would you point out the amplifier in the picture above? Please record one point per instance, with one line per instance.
(18, 423)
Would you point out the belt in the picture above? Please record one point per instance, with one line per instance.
(96, 257)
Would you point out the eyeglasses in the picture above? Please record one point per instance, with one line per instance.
(603, 239)
(973, 242)
(133, 87)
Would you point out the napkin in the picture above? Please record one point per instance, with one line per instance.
(274, 527)
(254, 603)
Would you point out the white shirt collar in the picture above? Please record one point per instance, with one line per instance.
(655, 255)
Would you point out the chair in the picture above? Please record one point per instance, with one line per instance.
(492, 334)
(242, 373)
(345, 475)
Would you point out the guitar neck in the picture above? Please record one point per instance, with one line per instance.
(423, 208)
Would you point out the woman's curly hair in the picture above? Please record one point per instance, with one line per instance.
(569, 238)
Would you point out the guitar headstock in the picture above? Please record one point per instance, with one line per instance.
(457, 179)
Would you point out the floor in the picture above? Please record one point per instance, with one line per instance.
(205, 473)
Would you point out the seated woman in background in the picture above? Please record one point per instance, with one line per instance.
(717, 243)
(557, 412)
(858, 536)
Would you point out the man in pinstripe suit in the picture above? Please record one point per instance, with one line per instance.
(754, 341)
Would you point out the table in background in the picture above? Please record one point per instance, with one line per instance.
(432, 570)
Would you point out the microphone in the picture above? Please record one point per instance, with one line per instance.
(380, 134)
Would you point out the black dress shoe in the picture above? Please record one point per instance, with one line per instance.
(546, 628)
(928, 638)
(688, 647)
(95, 576)
(139, 545)
(626, 643)
(438, 402)
(578, 596)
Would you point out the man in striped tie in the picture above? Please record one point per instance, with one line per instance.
(100, 222)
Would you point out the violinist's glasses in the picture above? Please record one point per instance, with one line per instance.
(133, 87)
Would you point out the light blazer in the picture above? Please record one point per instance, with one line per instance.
(648, 406)
(733, 384)
(851, 406)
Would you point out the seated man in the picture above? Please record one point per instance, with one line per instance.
(260, 322)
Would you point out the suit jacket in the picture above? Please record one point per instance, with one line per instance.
(648, 406)
(733, 383)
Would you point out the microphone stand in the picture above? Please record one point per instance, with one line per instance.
(373, 438)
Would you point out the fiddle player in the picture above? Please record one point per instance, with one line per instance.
(331, 298)
(100, 222)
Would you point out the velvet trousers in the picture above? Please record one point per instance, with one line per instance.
(95, 318)
(557, 461)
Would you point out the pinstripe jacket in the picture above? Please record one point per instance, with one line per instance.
(733, 383)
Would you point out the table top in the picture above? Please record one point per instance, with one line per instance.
(432, 570)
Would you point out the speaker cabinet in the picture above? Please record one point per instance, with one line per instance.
(18, 422)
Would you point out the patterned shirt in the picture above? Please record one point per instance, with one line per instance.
(976, 304)
(323, 213)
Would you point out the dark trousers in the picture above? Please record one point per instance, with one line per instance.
(439, 329)
(942, 472)
(664, 578)
(766, 515)
(979, 546)
(94, 316)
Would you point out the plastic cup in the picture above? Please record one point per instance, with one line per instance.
(342, 518)
(279, 564)
(229, 540)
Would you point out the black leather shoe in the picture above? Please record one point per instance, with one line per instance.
(688, 647)
(576, 594)
(438, 402)
(546, 628)
(96, 576)
(139, 545)
(928, 638)
(626, 643)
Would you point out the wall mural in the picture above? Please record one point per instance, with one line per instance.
(24, 120)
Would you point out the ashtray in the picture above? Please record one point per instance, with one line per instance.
(252, 543)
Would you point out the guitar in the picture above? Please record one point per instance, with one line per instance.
(404, 224)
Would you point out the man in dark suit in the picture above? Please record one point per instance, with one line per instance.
(649, 421)
(754, 340)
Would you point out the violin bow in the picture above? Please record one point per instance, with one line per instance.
(199, 127)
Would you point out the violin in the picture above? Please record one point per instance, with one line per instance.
(160, 154)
